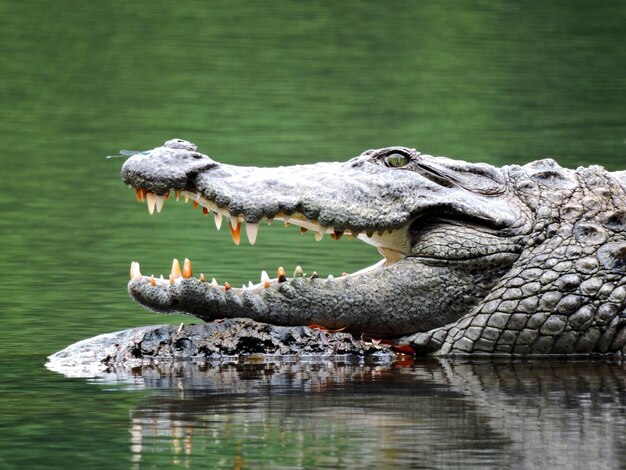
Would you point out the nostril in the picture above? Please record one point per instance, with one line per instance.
(180, 144)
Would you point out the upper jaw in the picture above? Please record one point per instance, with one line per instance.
(304, 195)
(392, 244)
(357, 198)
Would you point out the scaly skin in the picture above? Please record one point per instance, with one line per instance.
(478, 259)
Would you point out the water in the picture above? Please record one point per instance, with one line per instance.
(272, 84)
(423, 414)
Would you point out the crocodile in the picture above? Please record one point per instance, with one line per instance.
(476, 259)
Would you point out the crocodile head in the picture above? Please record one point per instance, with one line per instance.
(446, 230)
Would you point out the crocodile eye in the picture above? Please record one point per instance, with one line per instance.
(396, 160)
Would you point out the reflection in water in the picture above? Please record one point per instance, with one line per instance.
(431, 413)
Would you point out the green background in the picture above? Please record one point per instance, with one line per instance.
(262, 83)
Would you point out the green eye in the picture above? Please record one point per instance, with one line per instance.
(396, 160)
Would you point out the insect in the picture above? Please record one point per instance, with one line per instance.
(126, 153)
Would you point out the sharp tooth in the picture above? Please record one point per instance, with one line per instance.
(160, 200)
(152, 281)
(135, 273)
(250, 285)
(175, 269)
(186, 198)
(319, 235)
(269, 221)
(266, 284)
(171, 279)
(177, 193)
(243, 286)
(226, 285)
(314, 275)
(252, 231)
(264, 276)
(344, 274)
(187, 269)
(161, 277)
(218, 219)
(281, 275)
(202, 278)
(214, 282)
(205, 211)
(151, 198)
(139, 193)
(336, 235)
(195, 204)
(235, 231)
(331, 277)
(298, 272)
(303, 230)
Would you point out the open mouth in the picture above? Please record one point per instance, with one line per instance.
(393, 245)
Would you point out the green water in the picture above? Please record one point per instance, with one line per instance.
(269, 84)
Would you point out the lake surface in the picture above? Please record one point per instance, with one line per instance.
(273, 84)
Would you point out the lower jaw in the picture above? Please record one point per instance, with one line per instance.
(177, 275)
